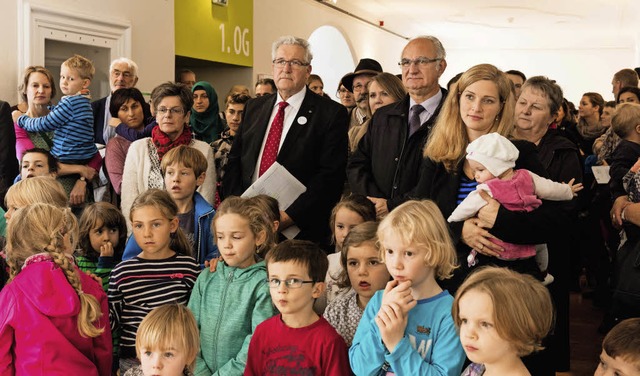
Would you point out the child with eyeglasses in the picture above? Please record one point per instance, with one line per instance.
(230, 302)
(297, 341)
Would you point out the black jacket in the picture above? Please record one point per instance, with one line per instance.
(9, 165)
(314, 151)
(387, 162)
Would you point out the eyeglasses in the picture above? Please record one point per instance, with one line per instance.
(421, 61)
(342, 91)
(358, 87)
(162, 111)
(292, 283)
(281, 63)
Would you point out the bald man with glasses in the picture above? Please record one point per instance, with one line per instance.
(385, 166)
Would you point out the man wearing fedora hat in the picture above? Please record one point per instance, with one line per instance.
(356, 83)
(385, 166)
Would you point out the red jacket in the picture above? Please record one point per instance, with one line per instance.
(38, 326)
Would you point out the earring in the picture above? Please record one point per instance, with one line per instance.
(172, 235)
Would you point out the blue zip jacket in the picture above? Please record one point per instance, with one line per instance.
(207, 250)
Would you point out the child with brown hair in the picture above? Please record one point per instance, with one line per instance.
(298, 340)
(184, 170)
(502, 316)
(54, 318)
(349, 212)
(164, 272)
(103, 232)
(363, 273)
(621, 350)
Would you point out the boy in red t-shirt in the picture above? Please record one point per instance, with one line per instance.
(297, 339)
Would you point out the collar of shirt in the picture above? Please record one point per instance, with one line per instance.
(360, 116)
(430, 105)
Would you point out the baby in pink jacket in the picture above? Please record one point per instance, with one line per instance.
(492, 158)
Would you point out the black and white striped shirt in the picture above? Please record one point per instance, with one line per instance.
(137, 286)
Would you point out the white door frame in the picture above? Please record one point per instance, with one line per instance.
(39, 22)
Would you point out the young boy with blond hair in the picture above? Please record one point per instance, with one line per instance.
(297, 340)
(184, 170)
(72, 118)
(621, 350)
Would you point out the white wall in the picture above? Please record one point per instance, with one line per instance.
(274, 18)
(579, 61)
(152, 37)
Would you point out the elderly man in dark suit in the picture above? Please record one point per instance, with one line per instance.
(305, 133)
(123, 73)
(385, 166)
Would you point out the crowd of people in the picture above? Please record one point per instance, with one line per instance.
(439, 231)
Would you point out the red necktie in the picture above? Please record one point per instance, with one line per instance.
(272, 145)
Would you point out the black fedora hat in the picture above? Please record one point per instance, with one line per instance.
(365, 66)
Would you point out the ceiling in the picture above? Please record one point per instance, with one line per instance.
(415, 17)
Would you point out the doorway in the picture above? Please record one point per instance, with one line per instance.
(56, 52)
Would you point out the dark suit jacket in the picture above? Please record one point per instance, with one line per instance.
(314, 152)
(387, 163)
(99, 109)
(8, 162)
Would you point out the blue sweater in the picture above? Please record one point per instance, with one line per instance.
(72, 121)
(207, 250)
(430, 345)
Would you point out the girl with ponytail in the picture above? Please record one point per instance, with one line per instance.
(54, 318)
(163, 273)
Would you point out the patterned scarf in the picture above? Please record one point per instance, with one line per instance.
(163, 143)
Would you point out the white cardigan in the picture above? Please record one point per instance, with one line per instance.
(137, 167)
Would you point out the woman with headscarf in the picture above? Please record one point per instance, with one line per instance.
(205, 119)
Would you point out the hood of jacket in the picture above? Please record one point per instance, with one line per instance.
(45, 286)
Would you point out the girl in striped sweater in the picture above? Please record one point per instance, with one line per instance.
(164, 272)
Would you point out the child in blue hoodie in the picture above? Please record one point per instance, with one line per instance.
(184, 168)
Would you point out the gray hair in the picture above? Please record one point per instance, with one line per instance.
(130, 63)
(440, 52)
(549, 88)
(290, 40)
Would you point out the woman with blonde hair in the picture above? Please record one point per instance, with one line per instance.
(482, 103)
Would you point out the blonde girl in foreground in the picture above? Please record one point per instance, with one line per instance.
(48, 295)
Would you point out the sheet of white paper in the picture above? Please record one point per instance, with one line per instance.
(601, 173)
(278, 183)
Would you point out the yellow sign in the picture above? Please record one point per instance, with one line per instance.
(220, 33)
